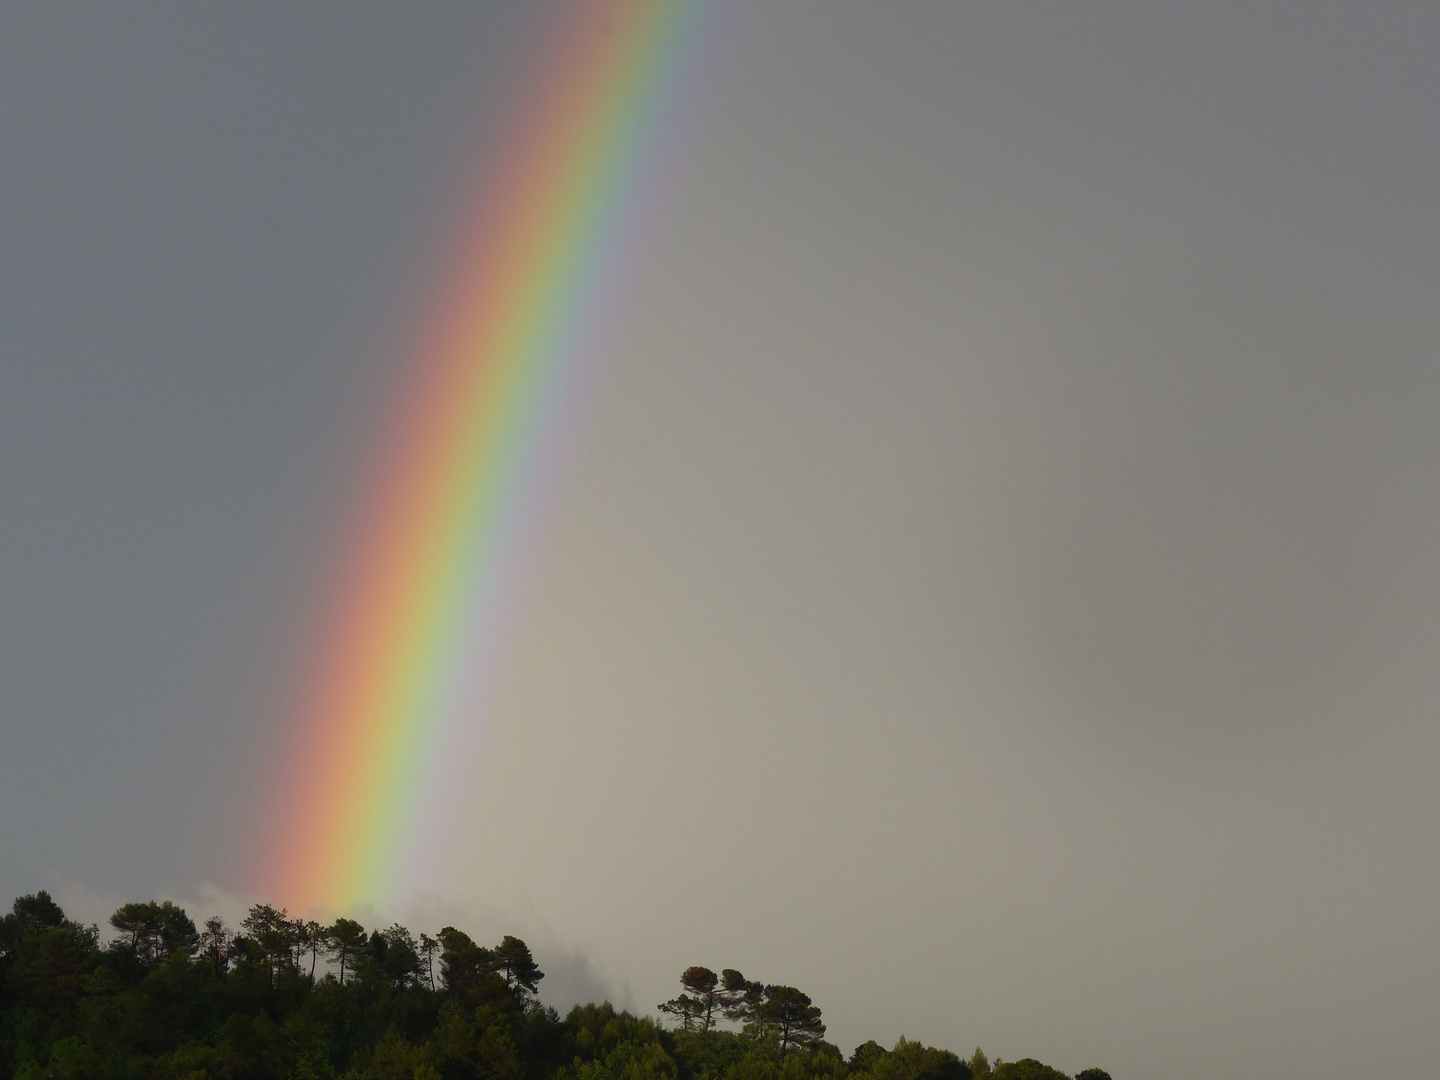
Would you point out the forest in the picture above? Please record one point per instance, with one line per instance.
(280, 998)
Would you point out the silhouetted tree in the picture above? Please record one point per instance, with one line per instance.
(788, 1016)
(513, 959)
(164, 1002)
(312, 938)
(343, 941)
(684, 1008)
(429, 946)
(399, 958)
(1025, 1069)
(868, 1057)
(153, 932)
(739, 997)
(215, 942)
(912, 1060)
(462, 962)
(45, 958)
(272, 936)
(704, 986)
(33, 913)
(699, 1004)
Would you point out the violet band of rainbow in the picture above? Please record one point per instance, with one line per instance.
(427, 576)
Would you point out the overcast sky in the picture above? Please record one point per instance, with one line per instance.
(997, 585)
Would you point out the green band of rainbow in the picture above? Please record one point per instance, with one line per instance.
(434, 553)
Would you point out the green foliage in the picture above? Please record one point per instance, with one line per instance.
(907, 1061)
(867, 1058)
(699, 1005)
(607, 1045)
(32, 914)
(392, 957)
(710, 1055)
(513, 960)
(153, 932)
(739, 996)
(778, 1016)
(787, 1016)
(343, 943)
(162, 1001)
(1026, 1069)
(463, 964)
(762, 1063)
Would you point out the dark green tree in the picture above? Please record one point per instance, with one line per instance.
(34, 912)
(513, 960)
(178, 936)
(787, 1015)
(46, 960)
(868, 1057)
(311, 938)
(215, 942)
(705, 998)
(429, 946)
(136, 924)
(272, 935)
(911, 1060)
(463, 964)
(704, 987)
(343, 941)
(163, 1003)
(399, 959)
(684, 1008)
(908, 1060)
(739, 997)
(1026, 1069)
(153, 932)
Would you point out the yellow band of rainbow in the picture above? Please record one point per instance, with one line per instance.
(432, 548)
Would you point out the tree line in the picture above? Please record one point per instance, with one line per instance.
(280, 998)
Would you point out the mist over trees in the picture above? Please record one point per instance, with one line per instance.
(292, 999)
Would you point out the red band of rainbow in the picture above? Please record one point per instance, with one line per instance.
(434, 555)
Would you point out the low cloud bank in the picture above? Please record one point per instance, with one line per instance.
(571, 976)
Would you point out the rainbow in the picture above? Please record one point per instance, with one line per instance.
(443, 536)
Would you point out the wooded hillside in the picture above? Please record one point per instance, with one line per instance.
(290, 999)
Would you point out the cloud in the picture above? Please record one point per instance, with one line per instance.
(203, 900)
(571, 976)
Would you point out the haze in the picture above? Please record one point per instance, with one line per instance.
(995, 588)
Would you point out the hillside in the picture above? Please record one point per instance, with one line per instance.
(289, 999)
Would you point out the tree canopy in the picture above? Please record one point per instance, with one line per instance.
(283, 998)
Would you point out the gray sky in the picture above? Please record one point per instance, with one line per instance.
(998, 586)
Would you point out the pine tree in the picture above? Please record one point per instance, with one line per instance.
(512, 957)
(343, 941)
(788, 1015)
